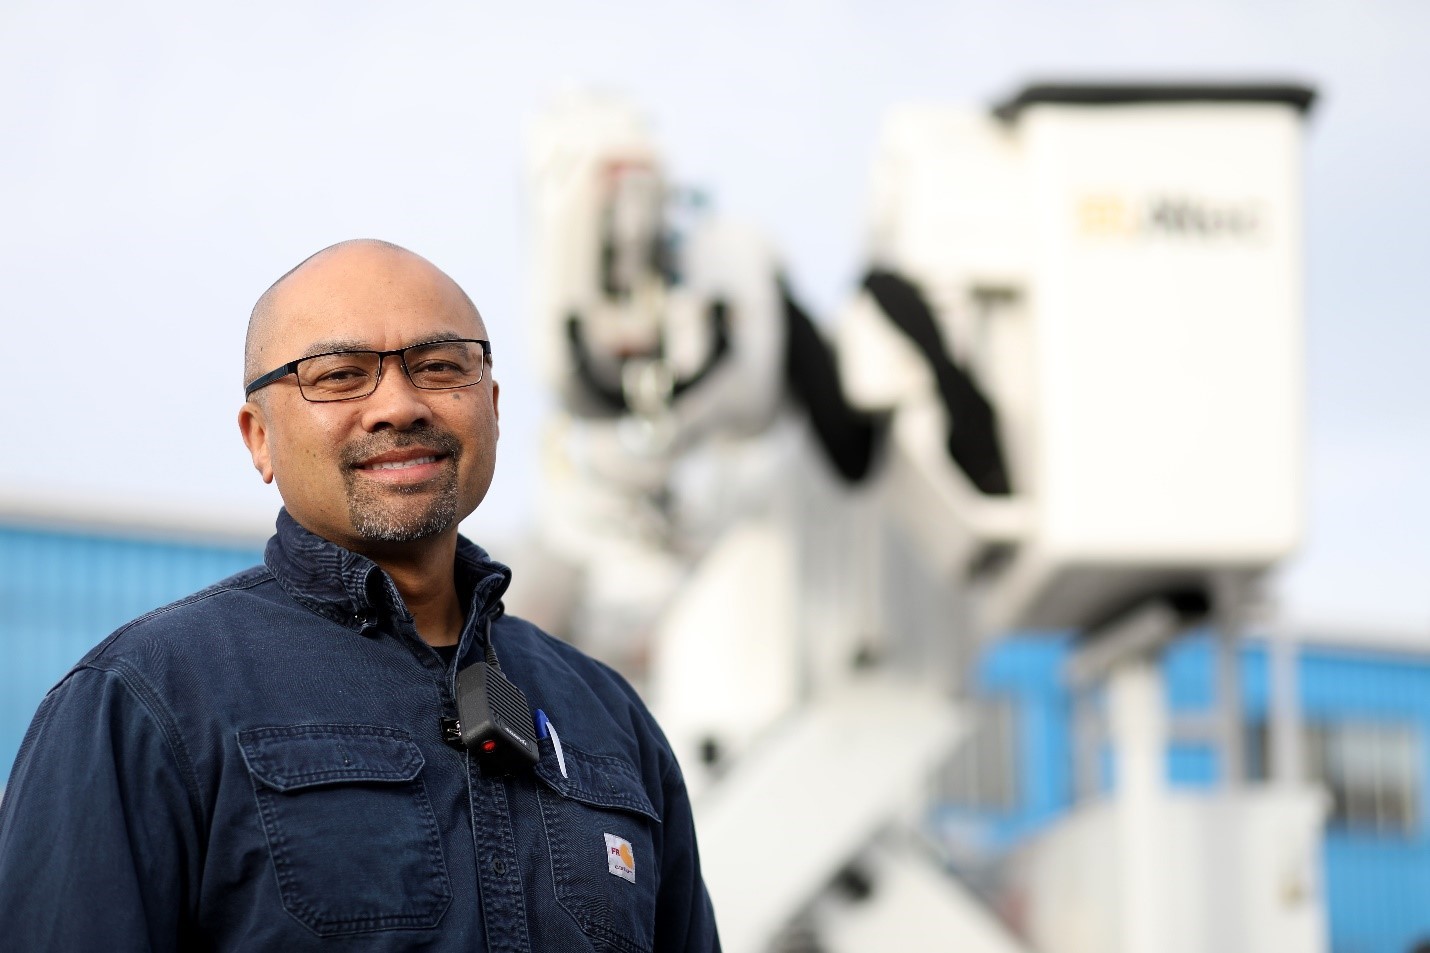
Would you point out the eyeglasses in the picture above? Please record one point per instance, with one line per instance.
(349, 375)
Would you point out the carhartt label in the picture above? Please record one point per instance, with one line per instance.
(620, 859)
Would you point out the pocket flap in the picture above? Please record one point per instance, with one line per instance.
(595, 780)
(300, 756)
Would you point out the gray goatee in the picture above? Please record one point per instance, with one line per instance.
(392, 514)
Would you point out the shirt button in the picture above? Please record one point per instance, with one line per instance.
(499, 865)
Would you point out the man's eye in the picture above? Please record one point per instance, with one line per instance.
(341, 375)
(337, 379)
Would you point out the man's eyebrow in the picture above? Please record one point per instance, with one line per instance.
(335, 344)
(439, 336)
(329, 345)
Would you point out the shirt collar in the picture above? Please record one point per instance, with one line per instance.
(354, 592)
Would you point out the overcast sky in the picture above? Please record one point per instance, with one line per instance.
(164, 161)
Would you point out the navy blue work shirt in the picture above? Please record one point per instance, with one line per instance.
(261, 766)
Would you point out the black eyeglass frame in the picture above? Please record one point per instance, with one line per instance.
(278, 373)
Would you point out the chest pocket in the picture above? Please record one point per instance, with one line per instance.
(350, 829)
(603, 834)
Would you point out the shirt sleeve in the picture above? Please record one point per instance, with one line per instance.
(685, 919)
(98, 832)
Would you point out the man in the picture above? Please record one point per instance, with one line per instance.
(268, 764)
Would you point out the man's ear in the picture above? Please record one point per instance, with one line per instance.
(254, 427)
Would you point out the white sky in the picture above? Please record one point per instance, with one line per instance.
(164, 161)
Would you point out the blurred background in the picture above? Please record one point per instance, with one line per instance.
(164, 162)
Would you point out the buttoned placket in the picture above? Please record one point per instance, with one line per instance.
(493, 838)
(499, 870)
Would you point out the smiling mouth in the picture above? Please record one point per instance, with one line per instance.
(402, 458)
(400, 464)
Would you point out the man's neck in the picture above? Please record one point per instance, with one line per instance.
(424, 576)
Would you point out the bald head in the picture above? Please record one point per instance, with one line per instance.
(401, 465)
(354, 255)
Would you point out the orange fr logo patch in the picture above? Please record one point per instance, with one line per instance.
(620, 858)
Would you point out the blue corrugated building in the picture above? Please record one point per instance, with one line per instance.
(1365, 717)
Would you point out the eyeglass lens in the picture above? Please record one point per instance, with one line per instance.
(348, 374)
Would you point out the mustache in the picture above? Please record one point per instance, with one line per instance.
(368, 447)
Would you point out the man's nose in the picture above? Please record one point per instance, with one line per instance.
(397, 402)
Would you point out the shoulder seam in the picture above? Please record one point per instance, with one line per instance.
(154, 705)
